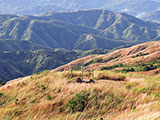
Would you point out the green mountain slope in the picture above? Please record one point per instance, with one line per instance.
(16, 45)
(68, 29)
(14, 64)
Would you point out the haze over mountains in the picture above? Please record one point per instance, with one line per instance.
(136, 7)
(152, 16)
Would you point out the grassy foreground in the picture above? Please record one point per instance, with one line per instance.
(55, 96)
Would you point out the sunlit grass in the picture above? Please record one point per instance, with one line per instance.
(46, 95)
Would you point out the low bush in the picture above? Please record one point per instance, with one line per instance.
(97, 102)
(141, 67)
(125, 70)
(131, 85)
(111, 67)
(43, 87)
(98, 60)
(2, 82)
(1, 94)
(49, 97)
(112, 58)
(140, 54)
(78, 103)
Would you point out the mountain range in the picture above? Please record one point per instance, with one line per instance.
(152, 16)
(136, 7)
(79, 30)
(84, 30)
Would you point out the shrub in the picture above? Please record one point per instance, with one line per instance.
(2, 82)
(111, 67)
(131, 85)
(156, 72)
(1, 94)
(49, 97)
(125, 70)
(78, 103)
(156, 95)
(140, 67)
(142, 90)
(96, 102)
(140, 54)
(112, 58)
(43, 87)
(98, 60)
(133, 107)
(144, 67)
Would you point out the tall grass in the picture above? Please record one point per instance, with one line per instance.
(49, 96)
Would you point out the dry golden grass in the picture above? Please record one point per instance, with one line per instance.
(44, 96)
(142, 52)
(116, 96)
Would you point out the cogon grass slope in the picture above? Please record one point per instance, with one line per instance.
(55, 96)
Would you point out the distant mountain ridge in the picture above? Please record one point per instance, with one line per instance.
(72, 30)
(153, 16)
(28, 7)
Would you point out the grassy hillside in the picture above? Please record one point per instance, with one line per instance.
(123, 58)
(81, 30)
(115, 95)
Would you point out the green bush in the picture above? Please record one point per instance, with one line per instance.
(156, 72)
(1, 94)
(140, 54)
(94, 100)
(78, 103)
(142, 90)
(2, 82)
(111, 67)
(156, 95)
(131, 85)
(133, 107)
(125, 70)
(98, 60)
(112, 58)
(49, 97)
(141, 67)
(43, 87)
